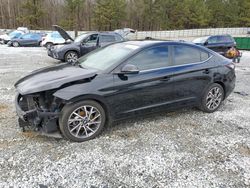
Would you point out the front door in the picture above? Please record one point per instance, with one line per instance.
(88, 44)
(147, 91)
(26, 39)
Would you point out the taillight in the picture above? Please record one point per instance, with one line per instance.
(231, 66)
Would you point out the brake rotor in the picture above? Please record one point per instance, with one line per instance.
(82, 113)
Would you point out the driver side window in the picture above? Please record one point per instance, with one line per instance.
(92, 39)
(212, 40)
(153, 58)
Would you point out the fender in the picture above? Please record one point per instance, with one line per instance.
(89, 91)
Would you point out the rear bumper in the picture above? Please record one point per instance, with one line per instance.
(230, 85)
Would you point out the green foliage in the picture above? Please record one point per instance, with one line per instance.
(244, 12)
(109, 14)
(32, 13)
(72, 8)
(136, 14)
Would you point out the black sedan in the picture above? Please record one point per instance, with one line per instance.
(29, 39)
(122, 80)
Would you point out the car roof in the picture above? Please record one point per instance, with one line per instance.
(146, 43)
(142, 44)
(103, 32)
(32, 33)
(227, 35)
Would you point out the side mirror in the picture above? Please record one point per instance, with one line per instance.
(206, 43)
(83, 43)
(129, 69)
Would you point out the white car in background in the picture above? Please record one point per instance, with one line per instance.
(51, 39)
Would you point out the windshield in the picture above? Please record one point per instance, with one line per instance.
(14, 33)
(80, 38)
(200, 40)
(104, 58)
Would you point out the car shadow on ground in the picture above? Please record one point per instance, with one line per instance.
(131, 121)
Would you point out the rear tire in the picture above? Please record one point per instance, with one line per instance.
(82, 121)
(212, 98)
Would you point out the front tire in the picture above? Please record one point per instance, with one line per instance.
(212, 98)
(82, 121)
(71, 57)
(15, 44)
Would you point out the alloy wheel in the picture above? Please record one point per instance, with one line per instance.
(84, 121)
(214, 98)
(15, 44)
(71, 57)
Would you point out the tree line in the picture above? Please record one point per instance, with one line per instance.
(144, 15)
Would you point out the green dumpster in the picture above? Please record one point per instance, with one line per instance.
(243, 43)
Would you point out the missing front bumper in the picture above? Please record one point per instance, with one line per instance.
(35, 119)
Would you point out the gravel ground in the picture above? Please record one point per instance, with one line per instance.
(186, 148)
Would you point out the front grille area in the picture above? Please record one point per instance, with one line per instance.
(22, 102)
(35, 114)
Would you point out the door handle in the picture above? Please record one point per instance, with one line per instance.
(165, 78)
(206, 71)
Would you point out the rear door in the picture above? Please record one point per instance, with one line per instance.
(150, 89)
(220, 44)
(227, 42)
(35, 39)
(106, 39)
(192, 73)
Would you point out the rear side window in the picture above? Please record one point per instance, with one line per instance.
(35, 36)
(223, 39)
(186, 55)
(107, 38)
(118, 38)
(152, 58)
(220, 39)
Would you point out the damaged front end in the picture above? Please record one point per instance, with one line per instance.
(38, 112)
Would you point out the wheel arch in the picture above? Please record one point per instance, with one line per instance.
(71, 50)
(223, 86)
(95, 98)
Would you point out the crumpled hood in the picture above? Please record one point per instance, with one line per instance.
(51, 78)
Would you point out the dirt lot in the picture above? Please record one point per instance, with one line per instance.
(187, 148)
